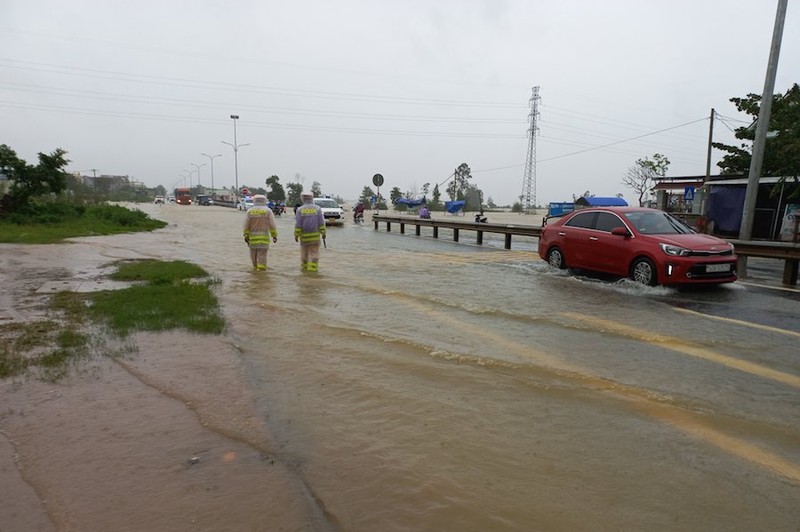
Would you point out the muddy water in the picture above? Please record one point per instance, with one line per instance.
(418, 384)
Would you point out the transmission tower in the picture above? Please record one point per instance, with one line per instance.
(528, 198)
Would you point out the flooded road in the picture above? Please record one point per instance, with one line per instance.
(421, 384)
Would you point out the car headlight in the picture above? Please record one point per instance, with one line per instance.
(675, 251)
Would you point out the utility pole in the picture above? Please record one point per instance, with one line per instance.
(528, 197)
(762, 126)
(706, 187)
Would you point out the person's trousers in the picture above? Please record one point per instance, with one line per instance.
(309, 256)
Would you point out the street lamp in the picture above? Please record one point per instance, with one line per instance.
(211, 159)
(190, 178)
(198, 172)
(235, 147)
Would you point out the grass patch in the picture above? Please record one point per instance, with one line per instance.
(158, 307)
(31, 345)
(157, 272)
(173, 295)
(48, 223)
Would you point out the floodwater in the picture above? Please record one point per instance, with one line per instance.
(421, 384)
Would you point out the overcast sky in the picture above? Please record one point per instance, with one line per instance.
(337, 91)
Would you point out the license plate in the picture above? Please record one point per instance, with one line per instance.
(718, 268)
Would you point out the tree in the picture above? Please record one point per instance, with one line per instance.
(295, 189)
(29, 182)
(436, 203)
(460, 182)
(276, 192)
(366, 197)
(782, 149)
(395, 194)
(641, 176)
(474, 198)
(316, 190)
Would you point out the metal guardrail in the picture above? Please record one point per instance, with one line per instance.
(789, 252)
(457, 226)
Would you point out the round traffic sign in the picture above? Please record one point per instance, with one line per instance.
(377, 180)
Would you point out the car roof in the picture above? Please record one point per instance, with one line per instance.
(615, 209)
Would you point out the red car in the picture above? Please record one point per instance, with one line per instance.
(647, 245)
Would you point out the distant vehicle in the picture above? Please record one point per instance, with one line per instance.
(331, 210)
(159, 200)
(647, 245)
(171, 199)
(244, 204)
(202, 199)
(183, 196)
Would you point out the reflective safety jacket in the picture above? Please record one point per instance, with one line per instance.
(259, 226)
(309, 222)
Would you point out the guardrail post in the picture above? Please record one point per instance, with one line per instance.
(790, 272)
(508, 241)
(455, 235)
(418, 227)
(435, 231)
(480, 237)
(388, 227)
(402, 228)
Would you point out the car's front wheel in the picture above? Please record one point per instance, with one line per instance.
(556, 258)
(643, 271)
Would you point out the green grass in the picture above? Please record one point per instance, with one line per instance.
(48, 223)
(157, 272)
(170, 295)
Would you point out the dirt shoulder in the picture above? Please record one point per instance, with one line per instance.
(154, 432)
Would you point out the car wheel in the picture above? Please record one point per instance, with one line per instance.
(643, 271)
(556, 258)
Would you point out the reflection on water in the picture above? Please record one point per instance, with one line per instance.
(420, 384)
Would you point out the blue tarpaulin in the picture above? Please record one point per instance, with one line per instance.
(725, 205)
(454, 206)
(594, 201)
(409, 202)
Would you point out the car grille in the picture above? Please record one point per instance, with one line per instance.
(711, 253)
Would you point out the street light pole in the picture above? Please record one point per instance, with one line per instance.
(198, 172)
(211, 159)
(190, 178)
(235, 147)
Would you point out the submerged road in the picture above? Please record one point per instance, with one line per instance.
(421, 384)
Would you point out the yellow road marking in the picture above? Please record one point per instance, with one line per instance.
(740, 322)
(677, 344)
(686, 422)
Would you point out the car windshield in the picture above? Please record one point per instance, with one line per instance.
(326, 203)
(656, 223)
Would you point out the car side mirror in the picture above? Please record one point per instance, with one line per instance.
(621, 231)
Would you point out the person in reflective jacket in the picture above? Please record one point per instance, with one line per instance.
(259, 227)
(309, 227)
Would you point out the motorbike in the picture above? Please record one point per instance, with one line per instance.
(358, 217)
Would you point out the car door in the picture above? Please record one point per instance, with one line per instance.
(610, 253)
(575, 234)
